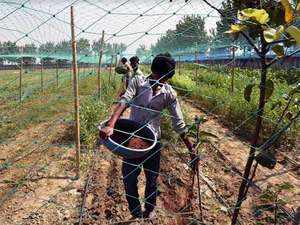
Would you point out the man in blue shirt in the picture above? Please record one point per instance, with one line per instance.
(147, 97)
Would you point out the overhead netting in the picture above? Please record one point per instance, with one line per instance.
(132, 23)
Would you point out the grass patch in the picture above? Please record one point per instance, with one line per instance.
(211, 89)
(43, 106)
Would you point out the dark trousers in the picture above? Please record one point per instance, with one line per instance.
(131, 169)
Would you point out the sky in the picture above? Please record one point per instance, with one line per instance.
(133, 22)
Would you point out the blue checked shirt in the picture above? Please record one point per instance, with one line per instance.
(147, 108)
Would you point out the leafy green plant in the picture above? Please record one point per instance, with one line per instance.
(263, 24)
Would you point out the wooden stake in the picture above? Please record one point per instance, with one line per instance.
(196, 62)
(99, 65)
(71, 78)
(56, 73)
(76, 99)
(20, 77)
(179, 72)
(110, 68)
(232, 71)
(42, 79)
(115, 73)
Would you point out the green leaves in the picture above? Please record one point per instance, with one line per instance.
(275, 105)
(298, 8)
(278, 50)
(295, 33)
(236, 28)
(269, 89)
(257, 15)
(249, 16)
(248, 92)
(271, 34)
(288, 11)
(295, 90)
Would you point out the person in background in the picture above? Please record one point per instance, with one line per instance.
(134, 62)
(148, 97)
(127, 70)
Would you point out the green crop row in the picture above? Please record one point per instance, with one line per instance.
(210, 87)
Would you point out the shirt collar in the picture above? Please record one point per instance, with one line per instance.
(161, 89)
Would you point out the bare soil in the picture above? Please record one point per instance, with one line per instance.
(221, 167)
(35, 181)
(34, 188)
(138, 143)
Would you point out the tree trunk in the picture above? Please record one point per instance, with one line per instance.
(243, 188)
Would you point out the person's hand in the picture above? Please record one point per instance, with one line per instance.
(106, 132)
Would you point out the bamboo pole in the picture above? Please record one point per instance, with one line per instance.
(99, 65)
(232, 70)
(56, 73)
(179, 71)
(115, 73)
(110, 68)
(71, 75)
(76, 98)
(42, 78)
(20, 77)
(196, 62)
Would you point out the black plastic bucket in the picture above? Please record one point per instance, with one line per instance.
(124, 130)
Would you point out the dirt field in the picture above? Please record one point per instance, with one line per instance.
(223, 161)
(31, 192)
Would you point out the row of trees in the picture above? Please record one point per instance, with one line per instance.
(64, 47)
(189, 32)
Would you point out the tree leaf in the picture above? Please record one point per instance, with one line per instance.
(271, 34)
(288, 11)
(235, 28)
(278, 50)
(297, 101)
(295, 90)
(269, 89)
(298, 8)
(295, 33)
(276, 105)
(258, 15)
(248, 92)
(279, 32)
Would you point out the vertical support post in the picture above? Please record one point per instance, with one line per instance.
(196, 64)
(78, 68)
(56, 73)
(99, 65)
(76, 99)
(110, 68)
(20, 76)
(179, 72)
(232, 70)
(42, 78)
(71, 74)
(115, 73)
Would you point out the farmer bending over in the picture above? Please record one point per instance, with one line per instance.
(142, 94)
